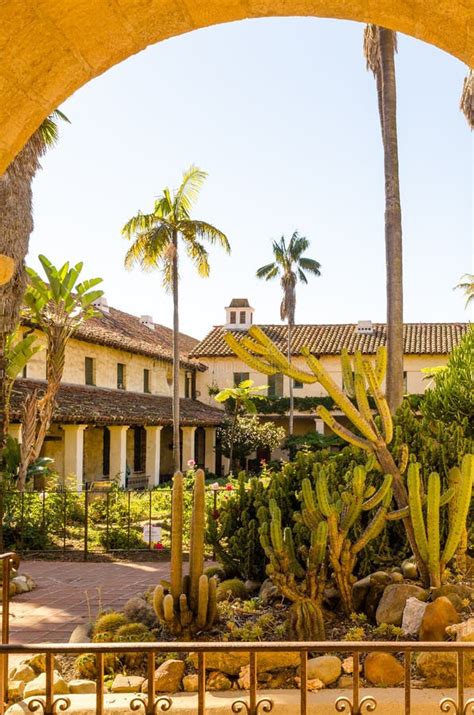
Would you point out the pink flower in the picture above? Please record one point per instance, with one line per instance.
(191, 463)
(215, 486)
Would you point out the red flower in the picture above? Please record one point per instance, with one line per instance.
(229, 487)
(158, 545)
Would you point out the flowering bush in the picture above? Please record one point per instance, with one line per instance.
(247, 434)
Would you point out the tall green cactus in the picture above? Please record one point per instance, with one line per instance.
(190, 605)
(425, 515)
(341, 516)
(362, 379)
(303, 585)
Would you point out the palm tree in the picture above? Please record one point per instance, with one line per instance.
(156, 245)
(290, 265)
(380, 46)
(16, 225)
(467, 98)
(467, 286)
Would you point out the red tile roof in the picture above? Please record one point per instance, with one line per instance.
(420, 339)
(81, 404)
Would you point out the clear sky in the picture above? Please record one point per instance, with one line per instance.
(282, 114)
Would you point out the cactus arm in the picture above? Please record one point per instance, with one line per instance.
(342, 431)
(177, 535)
(404, 455)
(447, 496)
(294, 565)
(463, 502)
(322, 494)
(247, 357)
(203, 601)
(381, 364)
(319, 539)
(276, 357)
(212, 602)
(168, 608)
(416, 510)
(158, 596)
(375, 526)
(196, 555)
(379, 495)
(338, 396)
(360, 389)
(432, 520)
(279, 361)
(380, 401)
(347, 377)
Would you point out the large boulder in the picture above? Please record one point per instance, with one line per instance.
(268, 592)
(463, 631)
(218, 681)
(392, 604)
(127, 684)
(383, 669)
(412, 616)
(367, 592)
(459, 594)
(326, 668)
(38, 685)
(437, 617)
(168, 677)
(231, 663)
(440, 669)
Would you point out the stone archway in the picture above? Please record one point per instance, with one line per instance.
(49, 49)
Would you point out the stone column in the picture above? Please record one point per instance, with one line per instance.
(118, 452)
(14, 430)
(319, 424)
(73, 452)
(188, 446)
(210, 452)
(153, 453)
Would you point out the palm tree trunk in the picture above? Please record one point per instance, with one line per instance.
(16, 225)
(291, 419)
(176, 430)
(393, 222)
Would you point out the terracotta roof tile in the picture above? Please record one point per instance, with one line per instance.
(420, 339)
(92, 405)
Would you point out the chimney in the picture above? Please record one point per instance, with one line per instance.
(101, 304)
(239, 314)
(148, 321)
(365, 327)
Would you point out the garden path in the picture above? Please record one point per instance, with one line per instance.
(51, 611)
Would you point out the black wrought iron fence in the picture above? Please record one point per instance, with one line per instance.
(91, 522)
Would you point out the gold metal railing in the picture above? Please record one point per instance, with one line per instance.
(248, 702)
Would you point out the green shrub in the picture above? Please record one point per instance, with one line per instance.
(109, 623)
(230, 589)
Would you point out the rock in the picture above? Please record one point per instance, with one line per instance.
(393, 601)
(21, 584)
(437, 617)
(458, 594)
(252, 586)
(81, 633)
(191, 683)
(344, 681)
(412, 616)
(383, 669)
(440, 669)
(462, 631)
(313, 685)
(409, 569)
(268, 592)
(16, 688)
(218, 681)
(38, 685)
(127, 684)
(244, 678)
(276, 680)
(231, 663)
(37, 662)
(367, 592)
(22, 672)
(168, 677)
(325, 667)
(396, 577)
(80, 687)
(348, 665)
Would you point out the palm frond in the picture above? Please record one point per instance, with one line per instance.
(195, 229)
(279, 251)
(372, 48)
(200, 257)
(466, 104)
(309, 264)
(269, 271)
(49, 130)
(302, 276)
(188, 192)
(138, 223)
(149, 248)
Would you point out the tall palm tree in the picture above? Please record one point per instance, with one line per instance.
(467, 286)
(290, 265)
(380, 46)
(16, 225)
(156, 245)
(467, 98)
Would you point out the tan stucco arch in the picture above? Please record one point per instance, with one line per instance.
(50, 48)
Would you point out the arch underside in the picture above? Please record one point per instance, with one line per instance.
(50, 48)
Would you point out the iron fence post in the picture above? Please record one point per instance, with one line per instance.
(86, 523)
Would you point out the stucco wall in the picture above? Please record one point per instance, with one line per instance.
(106, 360)
(221, 370)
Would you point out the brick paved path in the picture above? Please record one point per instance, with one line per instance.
(59, 603)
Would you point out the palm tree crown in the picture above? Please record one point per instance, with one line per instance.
(467, 285)
(290, 265)
(156, 232)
